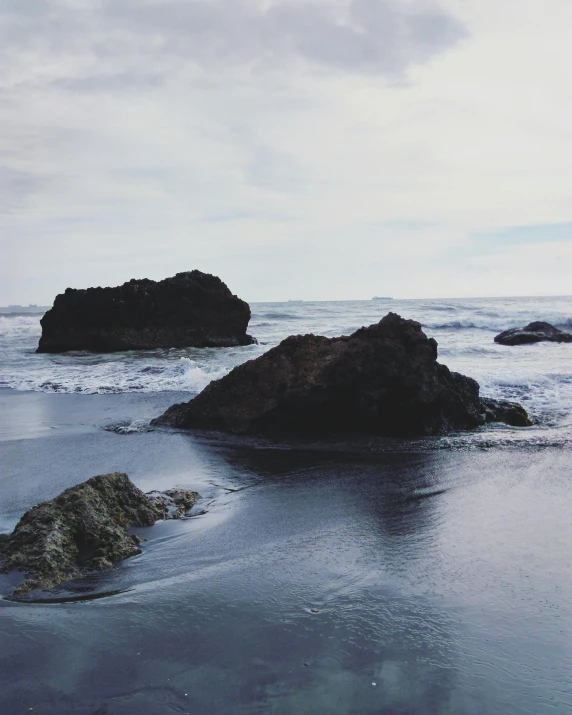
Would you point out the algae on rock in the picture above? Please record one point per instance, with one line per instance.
(84, 528)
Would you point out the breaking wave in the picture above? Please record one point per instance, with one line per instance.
(114, 376)
(498, 323)
(537, 376)
(14, 327)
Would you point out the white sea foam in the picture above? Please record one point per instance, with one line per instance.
(113, 376)
(548, 398)
(19, 326)
(539, 376)
(86, 373)
(498, 323)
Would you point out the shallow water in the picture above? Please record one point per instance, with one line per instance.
(538, 375)
(442, 576)
(364, 576)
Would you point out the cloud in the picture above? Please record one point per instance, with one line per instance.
(17, 188)
(382, 37)
(329, 149)
(497, 241)
(114, 81)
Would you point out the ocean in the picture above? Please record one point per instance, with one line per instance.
(369, 575)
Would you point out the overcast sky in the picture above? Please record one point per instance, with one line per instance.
(324, 149)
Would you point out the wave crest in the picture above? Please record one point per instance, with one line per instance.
(115, 376)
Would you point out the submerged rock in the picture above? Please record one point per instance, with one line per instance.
(191, 309)
(533, 333)
(174, 503)
(384, 379)
(511, 413)
(84, 528)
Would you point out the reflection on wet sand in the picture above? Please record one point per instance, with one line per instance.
(317, 582)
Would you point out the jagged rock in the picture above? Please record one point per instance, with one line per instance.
(84, 528)
(511, 413)
(384, 379)
(173, 503)
(533, 333)
(191, 309)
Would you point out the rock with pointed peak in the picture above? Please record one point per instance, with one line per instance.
(383, 379)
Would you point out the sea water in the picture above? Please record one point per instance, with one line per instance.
(364, 576)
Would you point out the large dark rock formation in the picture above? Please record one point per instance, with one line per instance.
(189, 310)
(84, 528)
(533, 333)
(384, 379)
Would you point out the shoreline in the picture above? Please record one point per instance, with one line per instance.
(312, 574)
(437, 568)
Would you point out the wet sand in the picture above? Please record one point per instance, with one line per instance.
(317, 581)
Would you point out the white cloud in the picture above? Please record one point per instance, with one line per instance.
(286, 164)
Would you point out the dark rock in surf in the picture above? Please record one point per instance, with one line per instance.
(511, 413)
(191, 309)
(533, 333)
(384, 379)
(84, 529)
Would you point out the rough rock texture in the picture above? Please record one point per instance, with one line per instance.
(533, 333)
(84, 529)
(173, 503)
(189, 310)
(511, 413)
(384, 379)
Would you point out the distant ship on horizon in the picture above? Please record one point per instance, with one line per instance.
(22, 309)
(381, 297)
